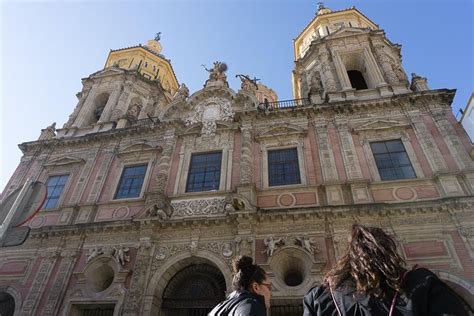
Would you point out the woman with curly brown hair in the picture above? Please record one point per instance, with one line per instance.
(371, 279)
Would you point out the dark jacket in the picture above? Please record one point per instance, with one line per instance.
(424, 294)
(241, 303)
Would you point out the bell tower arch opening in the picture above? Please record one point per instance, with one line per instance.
(194, 290)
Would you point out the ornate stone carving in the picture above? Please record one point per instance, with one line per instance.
(48, 133)
(248, 84)
(315, 87)
(208, 112)
(133, 111)
(328, 76)
(217, 74)
(385, 63)
(467, 232)
(94, 252)
(271, 245)
(182, 93)
(120, 254)
(227, 250)
(309, 244)
(199, 207)
(158, 205)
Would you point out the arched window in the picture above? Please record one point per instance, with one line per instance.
(7, 304)
(357, 79)
(99, 106)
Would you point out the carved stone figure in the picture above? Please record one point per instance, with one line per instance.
(227, 251)
(182, 94)
(316, 88)
(271, 245)
(217, 73)
(48, 133)
(162, 253)
(193, 247)
(308, 244)
(248, 84)
(400, 73)
(133, 111)
(328, 77)
(120, 254)
(94, 252)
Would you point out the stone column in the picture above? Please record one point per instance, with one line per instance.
(82, 96)
(111, 103)
(327, 75)
(428, 144)
(68, 258)
(458, 151)
(246, 161)
(328, 164)
(121, 107)
(164, 163)
(86, 109)
(349, 154)
(341, 72)
(385, 64)
(37, 289)
(140, 278)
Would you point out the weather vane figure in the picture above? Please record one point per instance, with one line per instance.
(158, 36)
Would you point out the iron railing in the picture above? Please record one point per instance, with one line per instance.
(284, 104)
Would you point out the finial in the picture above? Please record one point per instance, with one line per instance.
(320, 5)
(158, 36)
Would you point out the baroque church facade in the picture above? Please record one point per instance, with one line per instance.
(152, 191)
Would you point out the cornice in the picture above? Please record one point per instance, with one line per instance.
(336, 212)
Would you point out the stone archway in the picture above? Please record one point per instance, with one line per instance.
(162, 278)
(193, 291)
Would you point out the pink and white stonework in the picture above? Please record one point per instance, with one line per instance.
(150, 254)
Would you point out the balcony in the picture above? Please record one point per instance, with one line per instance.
(284, 104)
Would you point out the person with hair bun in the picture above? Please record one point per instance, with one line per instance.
(371, 279)
(252, 291)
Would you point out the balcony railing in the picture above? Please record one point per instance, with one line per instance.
(284, 104)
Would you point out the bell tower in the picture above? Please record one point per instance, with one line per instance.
(342, 55)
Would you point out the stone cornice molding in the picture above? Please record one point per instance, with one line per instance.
(443, 205)
(102, 136)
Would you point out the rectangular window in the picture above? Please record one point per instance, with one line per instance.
(131, 182)
(283, 167)
(392, 160)
(204, 172)
(55, 186)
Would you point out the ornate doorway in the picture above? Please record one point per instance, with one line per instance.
(194, 291)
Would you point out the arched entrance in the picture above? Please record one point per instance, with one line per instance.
(193, 291)
(7, 304)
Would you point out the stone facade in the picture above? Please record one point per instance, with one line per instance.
(135, 256)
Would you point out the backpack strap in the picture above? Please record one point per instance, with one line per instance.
(394, 300)
(335, 302)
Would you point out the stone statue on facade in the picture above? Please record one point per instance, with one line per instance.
(133, 111)
(308, 244)
(94, 252)
(315, 88)
(418, 83)
(247, 84)
(182, 93)
(48, 132)
(217, 74)
(158, 36)
(120, 254)
(271, 245)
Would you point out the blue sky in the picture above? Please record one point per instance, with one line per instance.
(47, 47)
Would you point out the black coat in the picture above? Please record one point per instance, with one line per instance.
(424, 294)
(241, 303)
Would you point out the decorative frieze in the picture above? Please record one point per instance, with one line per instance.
(199, 207)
